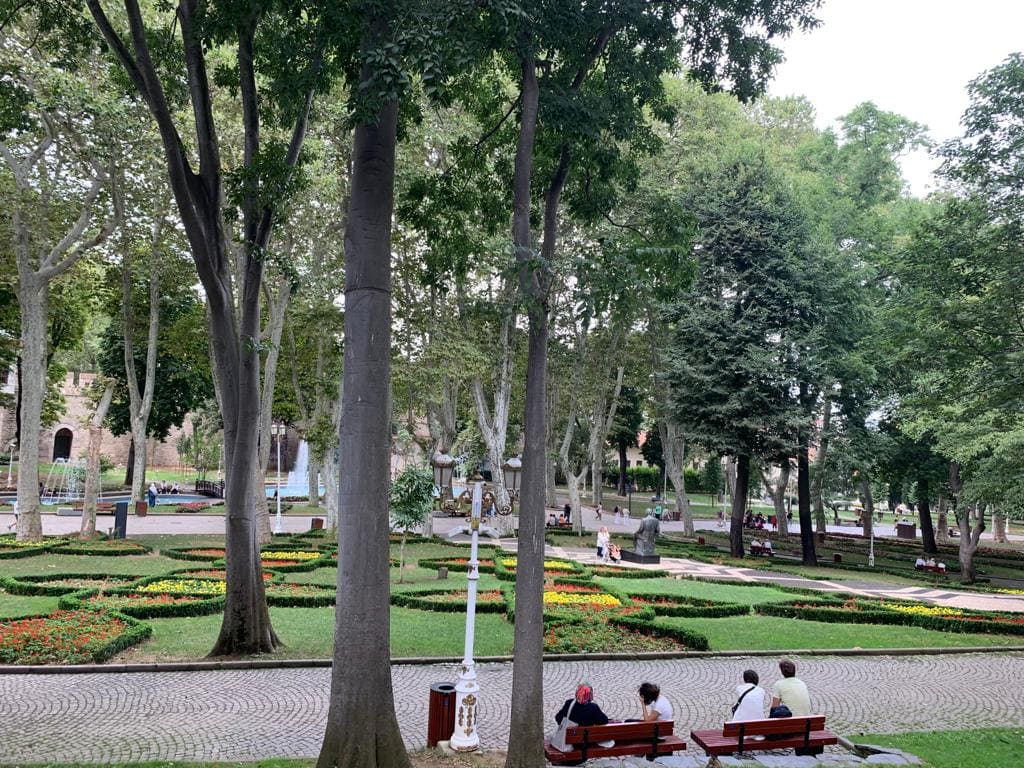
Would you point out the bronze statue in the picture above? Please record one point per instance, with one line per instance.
(646, 535)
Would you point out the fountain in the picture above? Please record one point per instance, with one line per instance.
(297, 483)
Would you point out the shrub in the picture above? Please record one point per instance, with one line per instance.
(692, 640)
(450, 600)
(289, 595)
(193, 553)
(57, 584)
(693, 607)
(601, 637)
(154, 605)
(615, 572)
(102, 548)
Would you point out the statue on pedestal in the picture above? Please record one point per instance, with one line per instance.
(646, 535)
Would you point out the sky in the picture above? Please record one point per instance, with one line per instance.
(914, 57)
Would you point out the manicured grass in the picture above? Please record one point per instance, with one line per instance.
(25, 605)
(137, 565)
(727, 593)
(990, 748)
(427, 758)
(745, 633)
(309, 633)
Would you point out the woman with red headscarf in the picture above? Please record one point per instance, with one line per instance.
(584, 710)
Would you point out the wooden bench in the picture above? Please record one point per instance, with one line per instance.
(786, 733)
(759, 550)
(645, 739)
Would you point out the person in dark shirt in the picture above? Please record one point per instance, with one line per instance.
(584, 710)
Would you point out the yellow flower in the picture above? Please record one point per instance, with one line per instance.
(549, 565)
(923, 610)
(186, 586)
(284, 555)
(581, 598)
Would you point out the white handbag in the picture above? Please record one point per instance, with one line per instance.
(558, 737)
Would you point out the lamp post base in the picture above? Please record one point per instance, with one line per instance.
(465, 738)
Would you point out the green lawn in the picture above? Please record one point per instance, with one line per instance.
(727, 593)
(766, 633)
(25, 605)
(992, 748)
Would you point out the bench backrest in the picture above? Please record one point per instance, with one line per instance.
(796, 726)
(582, 734)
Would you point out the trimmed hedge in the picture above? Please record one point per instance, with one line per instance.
(505, 574)
(197, 606)
(309, 565)
(872, 612)
(614, 572)
(16, 553)
(102, 548)
(689, 638)
(691, 607)
(192, 553)
(419, 600)
(299, 600)
(452, 564)
(34, 585)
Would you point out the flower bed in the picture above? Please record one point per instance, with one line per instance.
(450, 600)
(645, 624)
(140, 605)
(102, 547)
(193, 553)
(601, 637)
(681, 605)
(456, 564)
(598, 600)
(176, 586)
(193, 507)
(56, 584)
(212, 573)
(868, 611)
(288, 595)
(294, 555)
(68, 637)
(11, 548)
(505, 569)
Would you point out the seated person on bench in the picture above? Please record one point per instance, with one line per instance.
(749, 701)
(766, 547)
(653, 705)
(755, 547)
(919, 563)
(583, 711)
(792, 692)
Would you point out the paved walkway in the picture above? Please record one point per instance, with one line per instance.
(950, 598)
(253, 714)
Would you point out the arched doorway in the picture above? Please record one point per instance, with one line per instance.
(62, 444)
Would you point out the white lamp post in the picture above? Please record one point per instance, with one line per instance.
(278, 432)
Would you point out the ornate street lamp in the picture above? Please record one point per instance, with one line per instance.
(444, 469)
(466, 737)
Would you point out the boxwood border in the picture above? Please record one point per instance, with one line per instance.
(414, 599)
(203, 606)
(26, 585)
(135, 632)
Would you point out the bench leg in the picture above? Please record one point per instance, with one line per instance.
(713, 762)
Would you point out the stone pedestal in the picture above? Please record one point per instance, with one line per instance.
(631, 556)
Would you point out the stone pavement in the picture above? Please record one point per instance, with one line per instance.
(55, 525)
(253, 714)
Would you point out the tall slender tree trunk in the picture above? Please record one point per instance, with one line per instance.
(999, 526)
(526, 723)
(970, 535)
(92, 469)
(673, 446)
(621, 485)
(942, 534)
(362, 730)
(313, 481)
(924, 515)
(33, 301)
(803, 492)
(818, 476)
(868, 519)
(739, 505)
(778, 491)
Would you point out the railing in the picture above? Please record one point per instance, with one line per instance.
(210, 488)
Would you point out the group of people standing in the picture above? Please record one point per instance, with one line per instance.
(606, 548)
(789, 697)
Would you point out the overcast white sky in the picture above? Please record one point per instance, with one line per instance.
(913, 57)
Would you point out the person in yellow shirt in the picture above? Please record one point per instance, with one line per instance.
(791, 691)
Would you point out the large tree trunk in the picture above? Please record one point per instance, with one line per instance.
(92, 469)
(942, 535)
(551, 445)
(673, 446)
(868, 518)
(739, 505)
(33, 301)
(140, 400)
(621, 485)
(526, 722)
(803, 492)
(970, 536)
(313, 481)
(924, 515)
(818, 476)
(603, 419)
(362, 730)
(999, 526)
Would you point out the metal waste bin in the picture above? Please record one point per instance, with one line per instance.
(906, 531)
(120, 519)
(440, 713)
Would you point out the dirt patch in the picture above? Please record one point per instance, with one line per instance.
(435, 758)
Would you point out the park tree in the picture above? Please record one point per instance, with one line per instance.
(168, 55)
(598, 68)
(58, 140)
(625, 429)
(739, 335)
(410, 501)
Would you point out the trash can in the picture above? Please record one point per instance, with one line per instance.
(120, 519)
(316, 524)
(141, 507)
(906, 531)
(440, 713)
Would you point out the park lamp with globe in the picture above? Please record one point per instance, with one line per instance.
(466, 737)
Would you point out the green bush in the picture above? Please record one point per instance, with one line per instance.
(692, 640)
(316, 596)
(690, 607)
(195, 606)
(37, 585)
(420, 599)
(102, 548)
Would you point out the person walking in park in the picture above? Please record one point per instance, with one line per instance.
(598, 511)
(603, 539)
(151, 494)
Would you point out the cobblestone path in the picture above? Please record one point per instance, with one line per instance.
(252, 714)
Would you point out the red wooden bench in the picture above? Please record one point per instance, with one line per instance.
(785, 733)
(646, 739)
(759, 550)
